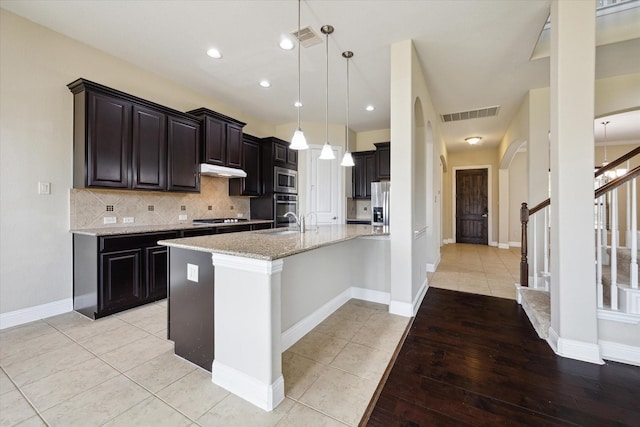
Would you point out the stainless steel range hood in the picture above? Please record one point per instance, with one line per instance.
(221, 171)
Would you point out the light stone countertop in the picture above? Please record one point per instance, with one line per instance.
(265, 245)
(134, 229)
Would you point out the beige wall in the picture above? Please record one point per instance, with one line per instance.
(365, 140)
(517, 194)
(475, 157)
(36, 138)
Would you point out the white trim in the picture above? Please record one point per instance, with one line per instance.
(493, 243)
(448, 241)
(37, 312)
(247, 264)
(340, 171)
(431, 268)
(489, 200)
(573, 349)
(515, 244)
(618, 316)
(406, 309)
(503, 245)
(265, 396)
(620, 352)
(304, 326)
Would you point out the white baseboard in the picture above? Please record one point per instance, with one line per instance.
(503, 246)
(448, 241)
(515, 244)
(370, 295)
(572, 349)
(432, 267)
(620, 352)
(493, 243)
(265, 396)
(407, 309)
(30, 314)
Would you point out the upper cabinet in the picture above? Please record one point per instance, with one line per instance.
(121, 141)
(363, 174)
(252, 184)
(279, 153)
(221, 138)
(383, 160)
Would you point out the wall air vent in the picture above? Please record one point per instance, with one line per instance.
(471, 114)
(307, 37)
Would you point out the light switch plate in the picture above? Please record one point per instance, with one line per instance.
(109, 220)
(192, 273)
(44, 187)
(182, 217)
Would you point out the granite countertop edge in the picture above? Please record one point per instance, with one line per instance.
(113, 231)
(261, 245)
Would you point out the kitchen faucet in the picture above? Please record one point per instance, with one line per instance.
(299, 221)
(316, 215)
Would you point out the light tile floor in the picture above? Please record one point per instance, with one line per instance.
(121, 371)
(478, 269)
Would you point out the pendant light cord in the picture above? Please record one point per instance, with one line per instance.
(326, 107)
(298, 37)
(347, 139)
(605, 142)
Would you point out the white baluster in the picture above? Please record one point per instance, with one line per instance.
(534, 260)
(599, 226)
(614, 249)
(633, 270)
(546, 249)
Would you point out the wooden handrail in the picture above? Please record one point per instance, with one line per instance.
(539, 206)
(618, 161)
(621, 180)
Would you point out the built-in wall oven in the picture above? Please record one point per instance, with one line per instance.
(283, 203)
(285, 180)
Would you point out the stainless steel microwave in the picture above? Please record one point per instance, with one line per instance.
(285, 180)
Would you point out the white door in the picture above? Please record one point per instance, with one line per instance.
(324, 187)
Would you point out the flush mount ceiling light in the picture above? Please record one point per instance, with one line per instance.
(327, 151)
(473, 140)
(214, 53)
(298, 142)
(286, 43)
(265, 83)
(370, 108)
(347, 160)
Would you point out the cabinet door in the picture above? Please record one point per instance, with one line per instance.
(363, 174)
(149, 149)
(279, 154)
(183, 142)
(215, 149)
(120, 282)
(108, 141)
(292, 159)
(156, 277)
(234, 146)
(369, 174)
(383, 160)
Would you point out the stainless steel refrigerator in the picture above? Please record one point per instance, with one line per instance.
(380, 192)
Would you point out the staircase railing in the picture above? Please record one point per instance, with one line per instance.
(607, 240)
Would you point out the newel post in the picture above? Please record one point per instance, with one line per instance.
(524, 264)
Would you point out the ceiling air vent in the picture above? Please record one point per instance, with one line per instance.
(472, 114)
(307, 37)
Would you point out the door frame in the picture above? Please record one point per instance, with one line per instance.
(489, 200)
(340, 178)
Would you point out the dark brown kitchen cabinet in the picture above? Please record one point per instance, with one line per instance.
(363, 173)
(119, 272)
(107, 132)
(221, 138)
(383, 160)
(183, 161)
(280, 154)
(149, 162)
(252, 184)
(121, 141)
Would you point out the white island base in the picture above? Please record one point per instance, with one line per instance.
(262, 307)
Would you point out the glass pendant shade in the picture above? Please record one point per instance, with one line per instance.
(298, 142)
(327, 152)
(347, 160)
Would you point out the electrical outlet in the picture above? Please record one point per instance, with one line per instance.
(192, 273)
(240, 215)
(128, 220)
(109, 220)
(44, 187)
(182, 217)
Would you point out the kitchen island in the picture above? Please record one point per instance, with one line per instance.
(271, 288)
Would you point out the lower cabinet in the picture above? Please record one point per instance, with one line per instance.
(116, 273)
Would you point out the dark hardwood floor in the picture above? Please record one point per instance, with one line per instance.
(476, 360)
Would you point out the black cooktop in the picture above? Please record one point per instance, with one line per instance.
(219, 220)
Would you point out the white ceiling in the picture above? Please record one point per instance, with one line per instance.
(474, 53)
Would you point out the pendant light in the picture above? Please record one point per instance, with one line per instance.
(347, 160)
(298, 142)
(327, 151)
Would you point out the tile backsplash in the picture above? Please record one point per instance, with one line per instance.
(90, 206)
(358, 209)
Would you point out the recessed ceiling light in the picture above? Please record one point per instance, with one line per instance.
(297, 104)
(265, 83)
(473, 140)
(286, 43)
(370, 108)
(214, 53)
